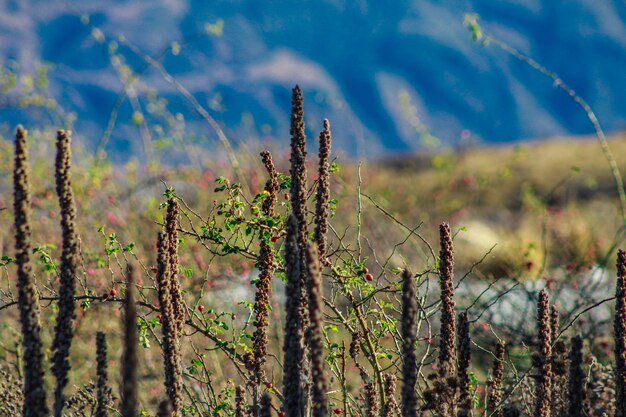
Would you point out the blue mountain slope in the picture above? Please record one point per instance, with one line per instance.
(387, 74)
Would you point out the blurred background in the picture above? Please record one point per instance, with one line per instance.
(134, 76)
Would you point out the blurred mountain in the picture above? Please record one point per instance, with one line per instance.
(392, 76)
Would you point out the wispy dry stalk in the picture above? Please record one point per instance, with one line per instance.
(34, 389)
(576, 386)
(390, 408)
(240, 402)
(103, 392)
(409, 340)
(292, 348)
(64, 331)
(130, 360)
(298, 206)
(447, 351)
(466, 405)
(322, 203)
(266, 406)
(262, 297)
(171, 343)
(619, 328)
(315, 337)
(494, 397)
(544, 358)
(171, 229)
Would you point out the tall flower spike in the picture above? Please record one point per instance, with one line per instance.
(576, 389)
(171, 344)
(292, 348)
(298, 206)
(447, 351)
(262, 296)
(619, 328)
(464, 342)
(542, 389)
(103, 393)
(409, 340)
(316, 341)
(323, 193)
(64, 332)
(130, 362)
(171, 224)
(494, 397)
(34, 389)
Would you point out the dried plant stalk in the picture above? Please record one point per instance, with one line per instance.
(322, 202)
(34, 389)
(390, 408)
(103, 393)
(130, 359)
(619, 328)
(292, 348)
(171, 229)
(409, 340)
(466, 405)
(576, 386)
(171, 343)
(494, 397)
(544, 359)
(316, 342)
(64, 330)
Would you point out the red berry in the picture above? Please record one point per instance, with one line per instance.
(269, 385)
(201, 308)
(233, 317)
(337, 411)
(365, 270)
(281, 414)
(274, 239)
(113, 292)
(369, 277)
(160, 319)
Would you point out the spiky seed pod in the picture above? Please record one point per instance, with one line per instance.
(390, 408)
(409, 340)
(371, 400)
(103, 394)
(130, 360)
(447, 352)
(544, 378)
(576, 383)
(464, 342)
(171, 344)
(323, 193)
(262, 297)
(292, 348)
(315, 335)
(178, 304)
(165, 409)
(266, 406)
(494, 397)
(240, 402)
(64, 332)
(298, 206)
(619, 328)
(34, 389)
